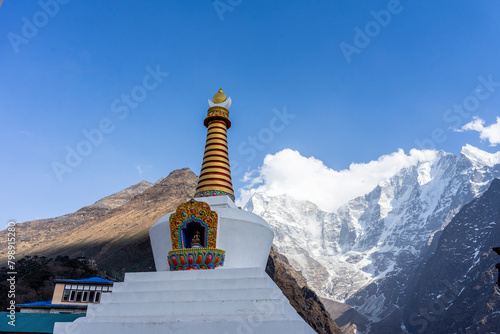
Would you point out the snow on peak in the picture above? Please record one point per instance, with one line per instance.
(479, 157)
(424, 173)
(308, 178)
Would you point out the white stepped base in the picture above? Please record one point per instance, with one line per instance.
(233, 300)
(194, 274)
(180, 285)
(226, 327)
(188, 296)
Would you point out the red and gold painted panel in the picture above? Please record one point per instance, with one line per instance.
(203, 218)
(193, 211)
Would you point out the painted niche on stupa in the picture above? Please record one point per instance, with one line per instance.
(193, 231)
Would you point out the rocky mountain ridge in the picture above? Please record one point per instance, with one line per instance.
(123, 196)
(367, 251)
(114, 226)
(34, 233)
(456, 288)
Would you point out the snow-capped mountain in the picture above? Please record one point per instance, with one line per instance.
(366, 252)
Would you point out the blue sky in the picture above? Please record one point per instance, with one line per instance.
(65, 70)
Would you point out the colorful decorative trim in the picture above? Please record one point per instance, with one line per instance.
(209, 193)
(193, 212)
(196, 258)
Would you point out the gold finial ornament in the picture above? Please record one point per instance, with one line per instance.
(219, 97)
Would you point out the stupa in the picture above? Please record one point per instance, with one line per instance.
(210, 258)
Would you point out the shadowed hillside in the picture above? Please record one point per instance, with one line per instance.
(116, 238)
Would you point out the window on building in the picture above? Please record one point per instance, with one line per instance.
(97, 297)
(84, 293)
(66, 294)
(79, 296)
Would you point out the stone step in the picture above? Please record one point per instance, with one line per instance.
(195, 285)
(227, 327)
(190, 295)
(201, 308)
(219, 273)
(191, 318)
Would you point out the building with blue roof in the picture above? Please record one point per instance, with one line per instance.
(69, 302)
(85, 280)
(71, 296)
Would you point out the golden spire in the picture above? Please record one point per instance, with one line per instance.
(219, 97)
(215, 175)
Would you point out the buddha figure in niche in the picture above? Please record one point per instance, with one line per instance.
(196, 241)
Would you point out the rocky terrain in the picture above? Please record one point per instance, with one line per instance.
(456, 290)
(294, 287)
(113, 231)
(33, 235)
(346, 317)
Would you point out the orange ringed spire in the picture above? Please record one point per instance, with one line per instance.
(215, 175)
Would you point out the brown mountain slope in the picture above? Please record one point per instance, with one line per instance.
(349, 320)
(32, 233)
(304, 300)
(117, 238)
(123, 196)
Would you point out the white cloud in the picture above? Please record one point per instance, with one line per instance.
(309, 179)
(490, 133)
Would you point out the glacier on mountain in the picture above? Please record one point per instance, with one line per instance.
(365, 251)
